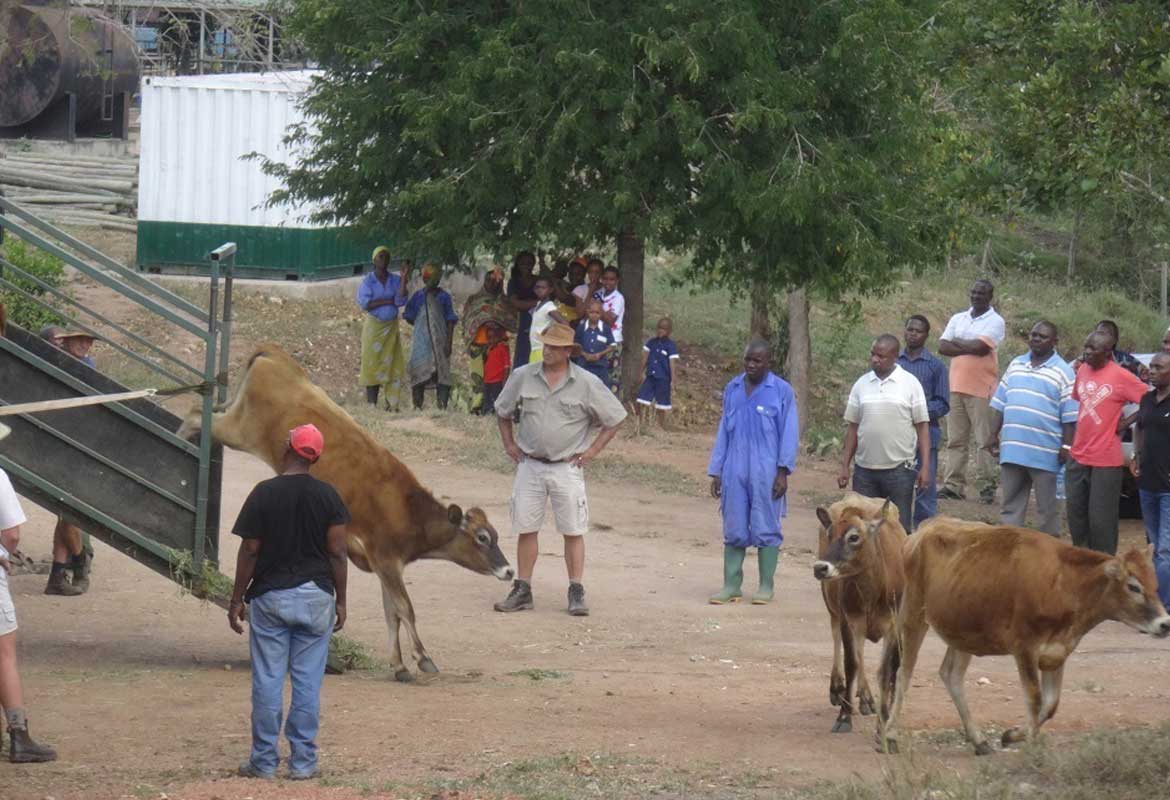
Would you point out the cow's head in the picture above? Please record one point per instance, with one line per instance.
(476, 545)
(845, 545)
(1133, 594)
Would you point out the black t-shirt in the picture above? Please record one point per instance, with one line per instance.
(1154, 420)
(290, 515)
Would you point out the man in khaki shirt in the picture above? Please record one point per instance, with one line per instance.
(559, 403)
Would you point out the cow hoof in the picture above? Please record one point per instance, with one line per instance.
(889, 747)
(983, 749)
(843, 725)
(865, 706)
(1013, 736)
(426, 665)
(835, 695)
(403, 676)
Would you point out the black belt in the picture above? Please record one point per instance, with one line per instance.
(546, 460)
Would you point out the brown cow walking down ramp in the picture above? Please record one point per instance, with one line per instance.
(394, 519)
(859, 565)
(1000, 590)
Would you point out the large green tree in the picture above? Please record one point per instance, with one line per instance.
(782, 143)
(1072, 97)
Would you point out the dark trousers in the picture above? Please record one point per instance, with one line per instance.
(490, 392)
(1091, 498)
(896, 485)
(419, 392)
(926, 504)
(1018, 483)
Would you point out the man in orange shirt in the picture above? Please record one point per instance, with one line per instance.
(970, 340)
(1095, 468)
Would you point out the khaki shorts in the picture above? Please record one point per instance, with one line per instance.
(7, 610)
(537, 483)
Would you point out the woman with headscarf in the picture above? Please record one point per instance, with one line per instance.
(380, 294)
(523, 299)
(432, 313)
(486, 307)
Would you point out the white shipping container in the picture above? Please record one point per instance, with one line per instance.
(196, 132)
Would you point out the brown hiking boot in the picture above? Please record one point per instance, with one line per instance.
(519, 599)
(59, 582)
(79, 565)
(577, 607)
(26, 751)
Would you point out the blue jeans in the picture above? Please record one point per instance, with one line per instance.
(289, 635)
(897, 484)
(1156, 516)
(926, 506)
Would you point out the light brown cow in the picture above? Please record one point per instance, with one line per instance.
(999, 590)
(394, 519)
(859, 565)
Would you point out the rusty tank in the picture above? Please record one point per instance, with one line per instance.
(57, 59)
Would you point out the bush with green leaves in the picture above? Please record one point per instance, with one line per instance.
(42, 269)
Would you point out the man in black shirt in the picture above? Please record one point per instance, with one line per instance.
(292, 561)
(1151, 467)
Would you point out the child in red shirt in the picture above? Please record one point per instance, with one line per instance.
(497, 365)
(1095, 465)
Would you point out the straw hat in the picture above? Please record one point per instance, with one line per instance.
(557, 335)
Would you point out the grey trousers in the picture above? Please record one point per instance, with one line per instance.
(1091, 498)
(1017, 484)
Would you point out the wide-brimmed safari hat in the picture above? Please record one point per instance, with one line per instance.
(557, 335)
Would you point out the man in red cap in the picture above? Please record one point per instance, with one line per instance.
(291, 563)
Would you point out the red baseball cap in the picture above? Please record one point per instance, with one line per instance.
(306, 441)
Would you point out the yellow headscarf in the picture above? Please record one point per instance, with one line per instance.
(379, 250)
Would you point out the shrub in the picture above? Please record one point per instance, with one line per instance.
(47, 268)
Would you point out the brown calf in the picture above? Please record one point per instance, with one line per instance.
(394, 519)
(859, 565)
(1000, 590)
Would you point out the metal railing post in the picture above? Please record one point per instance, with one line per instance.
(225, 256)
(209, 366)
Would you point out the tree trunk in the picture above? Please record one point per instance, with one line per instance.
(986, 257)
(631, 259)
(1072, 244)
(799, 362)
(761, 320)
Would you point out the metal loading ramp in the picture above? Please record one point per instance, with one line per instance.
(116, 469)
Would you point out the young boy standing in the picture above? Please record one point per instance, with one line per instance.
(658, 357)
(613, 311)
(544, 314)
(497, 365)
(596, 340)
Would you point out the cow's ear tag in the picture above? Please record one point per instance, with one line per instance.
(454, 514)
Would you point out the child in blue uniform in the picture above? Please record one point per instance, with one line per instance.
(596, 340)
(658, 357)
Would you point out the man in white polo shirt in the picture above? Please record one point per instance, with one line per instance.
(888, 428)
(970, 341)
(23, 750)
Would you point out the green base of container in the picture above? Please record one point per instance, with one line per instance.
(295, 254)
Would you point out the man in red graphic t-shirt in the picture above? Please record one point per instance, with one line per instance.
(1096, 466)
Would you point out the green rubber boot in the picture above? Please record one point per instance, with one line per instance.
(732, 576)
(768, 557)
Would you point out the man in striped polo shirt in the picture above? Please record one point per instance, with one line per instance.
(1033, 421)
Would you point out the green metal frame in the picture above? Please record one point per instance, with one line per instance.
(211, 326)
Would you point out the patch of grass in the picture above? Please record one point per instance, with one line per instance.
(571, 777)
(351, 654)
(539, 674)
(208, 584)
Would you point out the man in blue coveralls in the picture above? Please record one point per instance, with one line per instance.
(755, 452)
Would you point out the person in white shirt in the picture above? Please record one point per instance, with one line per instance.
(970, 340)
(23, 749)
(544, 314)
(887, 430)
(613, 311)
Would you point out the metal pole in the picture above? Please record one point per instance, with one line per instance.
(204, 479)
(202, 37)
(271, 36)
(225, 255)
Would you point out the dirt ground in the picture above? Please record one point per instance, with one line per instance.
(146, 692)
